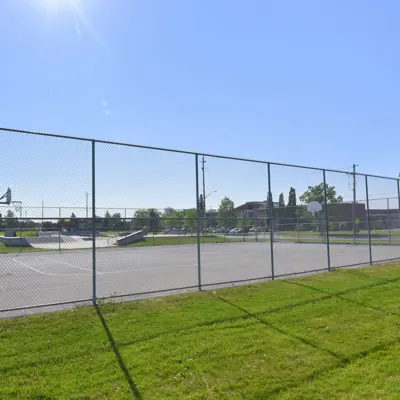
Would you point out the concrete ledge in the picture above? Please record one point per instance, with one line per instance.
(14, 241)
(130, 238)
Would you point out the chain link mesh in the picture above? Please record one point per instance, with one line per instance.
(91, 220)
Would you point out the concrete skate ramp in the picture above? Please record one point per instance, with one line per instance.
(14, 241)
(130, 238)
(56, 242)
(41, 241)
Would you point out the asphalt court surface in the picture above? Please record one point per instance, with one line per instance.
(36, 278)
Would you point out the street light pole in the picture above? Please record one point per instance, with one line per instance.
(209, 194)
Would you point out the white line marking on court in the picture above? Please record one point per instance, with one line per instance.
(70, 265)
(41, 272)
(148, 269)
(194, 266)
(38, 289)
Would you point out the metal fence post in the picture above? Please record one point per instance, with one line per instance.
(94, 221)
(389, 220)
(20, 236)
(59, 229)
(328, 249)
(398, 193)
(271, 222)
(369, 220)
(198, 221)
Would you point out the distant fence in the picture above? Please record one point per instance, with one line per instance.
(192, 240)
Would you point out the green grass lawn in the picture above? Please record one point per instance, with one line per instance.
(381, 233)
(180, 240)
(5, 249)
(339, 241)
(184, 240)
(328, 336)
(22, 233)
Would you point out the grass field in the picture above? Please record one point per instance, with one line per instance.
(327, 336)
(182, 240)
(5, 249)
(333, 240)
(177, 240)
(380, 233)
(23, 233)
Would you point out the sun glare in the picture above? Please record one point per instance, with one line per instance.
(56, 6)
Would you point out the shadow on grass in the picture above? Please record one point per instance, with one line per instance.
(323, 371)
(280, 330)
(341, 362)
(134, 390)
(374, 277)
(339, 296)
(378, 282)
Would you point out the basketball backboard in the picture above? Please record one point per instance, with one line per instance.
(6, 198)
(314, 207)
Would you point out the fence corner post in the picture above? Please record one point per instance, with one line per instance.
(328, 251)
(369, 221)
(198, 223)
(94, 283)
(271, 222)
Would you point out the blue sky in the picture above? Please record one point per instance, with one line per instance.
(311, 82)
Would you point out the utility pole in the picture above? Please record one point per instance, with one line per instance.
(354, 202)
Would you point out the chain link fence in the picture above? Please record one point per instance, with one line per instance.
(149, 221)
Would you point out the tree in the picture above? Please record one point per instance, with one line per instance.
(172, 218)
(154, 220)
(292, 197)
(168, 211)
(116, 220)
(141, 219)
(316, 193)
(74, 221)
(281, 200)
(244, 221)
(30, 224)
(190, 220)
(107, 217)
(226, 213)
(11, 221)
(47, 225)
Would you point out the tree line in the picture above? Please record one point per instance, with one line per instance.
(155, 220)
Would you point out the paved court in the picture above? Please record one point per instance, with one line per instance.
(37, 278)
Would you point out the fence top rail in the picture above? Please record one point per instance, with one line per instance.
(85, 139)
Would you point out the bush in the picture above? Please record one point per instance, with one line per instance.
(334, 226)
